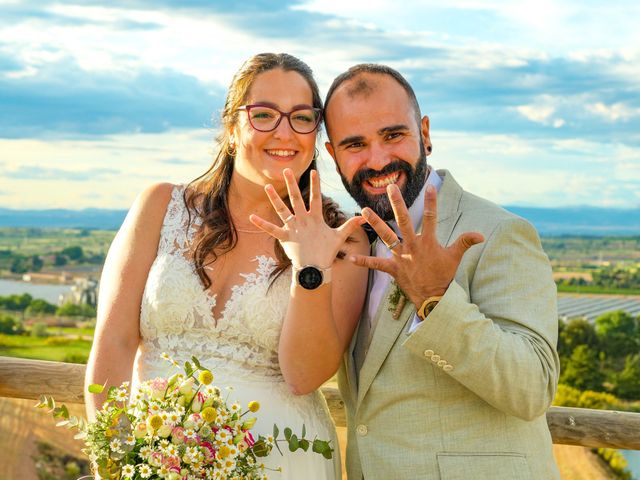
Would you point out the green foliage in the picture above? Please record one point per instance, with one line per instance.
(10, 325)
(73, 253)
(16, 303)
(60, 260)
(582, 370)
(76, 358)
(567, 396)
(38, 306)
(19, 264)
(627, 382)
(616, 462)
(39, 330)
(619, 333)
(36, 263)
(74, 310)
(575, 332)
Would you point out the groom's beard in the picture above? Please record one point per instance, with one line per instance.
(380, 204)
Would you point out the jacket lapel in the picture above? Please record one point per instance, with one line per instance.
(387, 329)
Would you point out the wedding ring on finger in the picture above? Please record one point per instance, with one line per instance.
(289, 218)
(394, 244)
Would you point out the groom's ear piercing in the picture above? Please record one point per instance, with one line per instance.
(429, 148)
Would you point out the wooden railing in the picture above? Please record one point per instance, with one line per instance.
(20, 378)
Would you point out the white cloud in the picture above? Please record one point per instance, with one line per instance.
(613, 112)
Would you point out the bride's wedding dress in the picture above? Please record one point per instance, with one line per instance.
(240, 347)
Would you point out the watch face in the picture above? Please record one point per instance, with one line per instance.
(310, 278)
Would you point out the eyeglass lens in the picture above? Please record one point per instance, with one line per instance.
(266, 119)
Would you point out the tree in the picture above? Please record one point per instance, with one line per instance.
(16, 302)
(73, 253)
(74, 310)
(619, 334)
(582, 370)
(627, 382)
(10, 325)
(39, 306)
(60, 260)
(577, 331)
(36, 263)
(19, 264)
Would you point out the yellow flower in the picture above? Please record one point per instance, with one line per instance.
(254, 406)
(205, 377)
(209, 414)
(154, 422)
(224, 451)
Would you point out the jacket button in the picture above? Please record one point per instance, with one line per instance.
(442, 363)
(435, 358)
(362, 430)
(447, 368)
(428, 353)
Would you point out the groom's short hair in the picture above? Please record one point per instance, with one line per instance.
(364, 88)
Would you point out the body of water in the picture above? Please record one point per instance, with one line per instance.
(633, 459)
(50, 293)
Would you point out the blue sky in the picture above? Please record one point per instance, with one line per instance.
(531, 102)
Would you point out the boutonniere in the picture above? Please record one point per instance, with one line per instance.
(397, 300)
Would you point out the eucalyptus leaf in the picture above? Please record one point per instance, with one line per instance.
(96, 388)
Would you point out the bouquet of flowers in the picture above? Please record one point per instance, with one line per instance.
(177, 428)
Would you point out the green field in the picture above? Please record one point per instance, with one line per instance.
(39, 241)
(52, 348)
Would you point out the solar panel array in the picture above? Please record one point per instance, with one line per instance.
(592, 306)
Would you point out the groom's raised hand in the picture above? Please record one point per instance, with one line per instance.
(420, 265)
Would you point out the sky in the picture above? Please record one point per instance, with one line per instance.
(532, 103)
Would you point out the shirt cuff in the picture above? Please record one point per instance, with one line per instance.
(415, 323)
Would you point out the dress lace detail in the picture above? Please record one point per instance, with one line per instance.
(240, 347)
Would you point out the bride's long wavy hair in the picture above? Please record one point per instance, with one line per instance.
(207, 195)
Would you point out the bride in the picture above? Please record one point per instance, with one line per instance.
(190, 273)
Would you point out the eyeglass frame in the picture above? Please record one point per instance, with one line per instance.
(247, 108)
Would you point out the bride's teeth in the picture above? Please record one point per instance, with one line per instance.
(282, 153)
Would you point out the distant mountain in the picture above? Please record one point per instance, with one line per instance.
(549, 221)
(92, 218)
(595, 221)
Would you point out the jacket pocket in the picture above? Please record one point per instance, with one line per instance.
(483, 466)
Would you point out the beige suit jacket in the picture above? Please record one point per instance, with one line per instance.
(464, 396)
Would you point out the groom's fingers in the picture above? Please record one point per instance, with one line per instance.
(383, 264)
(386, 233)
(430, 216)
(400, 212)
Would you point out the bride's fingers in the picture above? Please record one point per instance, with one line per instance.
(278, 204)
(315, 196)
(347, 228)
(294, 192)
(270, 228)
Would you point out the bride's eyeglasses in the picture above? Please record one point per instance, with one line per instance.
(265, 118)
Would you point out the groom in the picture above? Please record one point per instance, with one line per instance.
(455, 384)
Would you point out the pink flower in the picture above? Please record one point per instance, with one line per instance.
(158, 387)
(177, 436)
(249, 439)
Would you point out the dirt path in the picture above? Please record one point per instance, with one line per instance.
(21, 426)
(578, 463)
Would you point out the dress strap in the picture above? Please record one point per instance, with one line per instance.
(177, 228)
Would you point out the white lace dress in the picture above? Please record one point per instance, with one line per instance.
(240, 347)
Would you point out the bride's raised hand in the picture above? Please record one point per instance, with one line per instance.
(304, 235)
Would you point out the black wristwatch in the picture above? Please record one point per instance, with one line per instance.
(311, 277)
